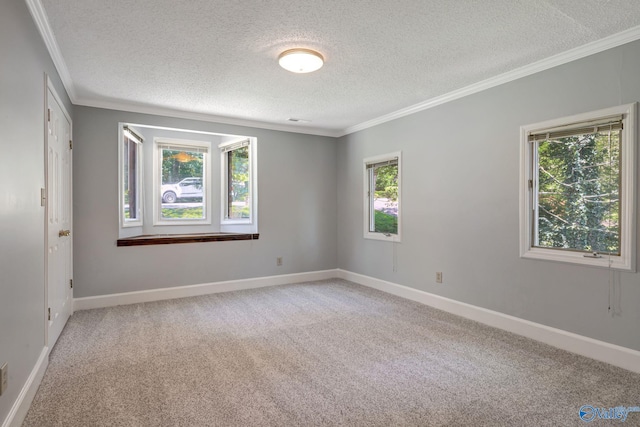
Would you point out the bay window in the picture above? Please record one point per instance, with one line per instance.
(173, 185)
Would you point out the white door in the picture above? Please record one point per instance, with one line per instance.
(59, 294)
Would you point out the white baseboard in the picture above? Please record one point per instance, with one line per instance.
(23, 402)
(605, 352)
(111, 300)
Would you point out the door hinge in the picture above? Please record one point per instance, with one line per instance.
(530, 183)
(70, 145)
(49, 313)
(48, 114)
(71, 283)
(43, 197)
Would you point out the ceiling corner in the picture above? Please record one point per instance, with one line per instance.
(40, 19)
(610, 42)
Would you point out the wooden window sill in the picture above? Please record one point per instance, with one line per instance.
(170, 239)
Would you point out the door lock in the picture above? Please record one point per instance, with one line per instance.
(64, 233)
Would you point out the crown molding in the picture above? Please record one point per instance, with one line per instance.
(580, 52)
(42, 22)
(204, 117)
(40, 18)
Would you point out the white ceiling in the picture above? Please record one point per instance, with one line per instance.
(217, 60)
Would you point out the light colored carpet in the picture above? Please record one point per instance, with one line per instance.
(320, 353)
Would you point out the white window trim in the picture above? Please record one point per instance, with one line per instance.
(124, 222)
(366, 214)
(627, 259)
(206, 172)
(239, 225)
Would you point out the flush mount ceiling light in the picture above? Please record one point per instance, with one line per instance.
(300, 60)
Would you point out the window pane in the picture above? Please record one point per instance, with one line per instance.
(578, 205)
(385, 199)
(182, 187)
(130, 175)
(238, 206)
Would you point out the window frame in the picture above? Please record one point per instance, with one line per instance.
(138, 178)
(367, 213)
(626, 261)
(214, 229)
(225, 222)
(207, 183)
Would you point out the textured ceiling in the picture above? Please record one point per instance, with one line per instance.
(220, 57)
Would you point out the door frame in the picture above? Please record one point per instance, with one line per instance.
(49, 87)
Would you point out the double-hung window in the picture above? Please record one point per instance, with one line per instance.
(236, 178)
(382, 197)
(182, 191)
(130, 153)
(577, 189)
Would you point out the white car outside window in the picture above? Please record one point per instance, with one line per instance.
(187, 188)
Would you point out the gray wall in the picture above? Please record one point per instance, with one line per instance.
(297, 212)
(24, 61)
(460, 201)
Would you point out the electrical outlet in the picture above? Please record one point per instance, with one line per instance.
(439, 277)
(279, 261)
(4, 378)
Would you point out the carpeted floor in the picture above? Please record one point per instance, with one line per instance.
(320, 353)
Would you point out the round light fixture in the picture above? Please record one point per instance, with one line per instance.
(300, 60)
